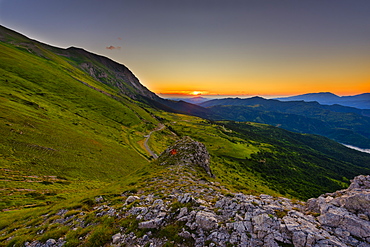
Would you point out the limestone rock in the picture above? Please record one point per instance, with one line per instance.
(202, 215)
(131, 199)
(155, 223)
(206, 220)
(360, 182)
(116, 238)
(187, 152)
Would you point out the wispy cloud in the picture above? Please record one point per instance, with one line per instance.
(119, 38)
(113, 47)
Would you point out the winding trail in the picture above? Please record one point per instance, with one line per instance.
(154, 155)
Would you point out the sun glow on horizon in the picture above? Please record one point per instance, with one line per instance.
(255, 92)
(187, 92)
(196, 93)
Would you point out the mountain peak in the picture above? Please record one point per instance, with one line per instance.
(75, 48)
(320, 94)
(361, 101)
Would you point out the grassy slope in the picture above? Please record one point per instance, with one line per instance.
(53, 125)
(261, 158)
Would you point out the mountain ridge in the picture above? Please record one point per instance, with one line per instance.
(111, 73)
(361, 101)
(344, 124)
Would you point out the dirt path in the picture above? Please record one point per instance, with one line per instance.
(154, 155)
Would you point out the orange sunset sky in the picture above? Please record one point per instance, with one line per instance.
(214, 47)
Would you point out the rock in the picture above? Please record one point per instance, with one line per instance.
(183, 212)
(358, 203)
(116, 238)
(363, 217)
(360, 182)
(62, 212)
(158, 202)
(312, 206)
(50, 242)
(299, 238)
(145, 238)
(206, 220)
(161, 215)
(131, 199)
(185, 234)
(185, 198)
(99, 199)
(155, 223)
(187, 152)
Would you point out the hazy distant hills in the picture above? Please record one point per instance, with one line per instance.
(285, 106)
(361, 101)
(344, 124)
(192, 100)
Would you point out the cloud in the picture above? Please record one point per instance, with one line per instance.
(113, 47)
(119, 38)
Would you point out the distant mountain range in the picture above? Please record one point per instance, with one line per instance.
(192, 100)
(361, 101)
(344, 124)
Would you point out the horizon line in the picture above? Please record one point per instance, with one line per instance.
(186, 95)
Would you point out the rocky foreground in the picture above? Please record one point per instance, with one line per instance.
(181, 209)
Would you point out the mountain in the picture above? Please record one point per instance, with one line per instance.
(361, 101)
(344, 124)
(102, 69)
(77, 163)
(285, 106)
(116, 76)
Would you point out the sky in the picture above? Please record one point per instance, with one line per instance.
(213, 47)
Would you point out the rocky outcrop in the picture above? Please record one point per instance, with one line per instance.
(333, 219)
(207, 214)
(345, 212)
(187, 152)
(180, 209)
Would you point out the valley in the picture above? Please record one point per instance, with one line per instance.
(340, 123)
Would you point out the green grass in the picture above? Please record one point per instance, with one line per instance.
(53, 125)
(222, 146)
(258, 158)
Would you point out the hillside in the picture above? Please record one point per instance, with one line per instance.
(191, 209)
(256, 157)
(75, 170)
(117, 77)
(361, 101)
(343, 124)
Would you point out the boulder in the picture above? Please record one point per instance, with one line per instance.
(187, 152)
(116, 238)
(206, 220)
(131, 199)
(154, 223)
